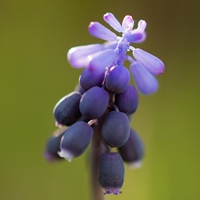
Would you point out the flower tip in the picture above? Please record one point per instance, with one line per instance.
(127, 22)
(135, 164)
(153, 64)
(114, 191)
(112, 21)
(65, 154)
(49, 157)
(141, 26)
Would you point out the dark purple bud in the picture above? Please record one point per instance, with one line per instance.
(66, 111)
(91, 77)
(128, 100)
(53, 145)
(111, 173)
(75, 140)
(94, 102)
(117, 79)
(116, 129)
(133, 151)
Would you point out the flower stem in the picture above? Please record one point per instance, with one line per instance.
(97, 192)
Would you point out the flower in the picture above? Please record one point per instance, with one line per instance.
(144, 66)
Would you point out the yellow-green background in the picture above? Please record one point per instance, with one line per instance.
(34, 74)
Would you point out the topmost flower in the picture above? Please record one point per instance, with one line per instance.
(113, 52)
(129, 34)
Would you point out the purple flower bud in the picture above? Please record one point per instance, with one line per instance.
(100, 31)
(127, 22)
(145, 81)
(113, 22)
(133, 150)
(101, 59)
(66, 111)
(150, 62)
(53, 145)
(75, 140)
(77, 56)
(117, 79)
(128, 100)
(111, 173)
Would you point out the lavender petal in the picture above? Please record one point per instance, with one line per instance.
(150, 62)
(77, 55)
(133, 37)
(98, 30)
(145, 81)
(127, 22)
(101, 59)
(113, 22)
(142, 39)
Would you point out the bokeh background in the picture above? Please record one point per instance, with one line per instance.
(34, 74)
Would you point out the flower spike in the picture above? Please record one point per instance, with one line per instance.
(104, 101)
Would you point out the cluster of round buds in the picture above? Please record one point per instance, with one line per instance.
(106, 98)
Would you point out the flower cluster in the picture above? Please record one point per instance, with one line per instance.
(105, 99)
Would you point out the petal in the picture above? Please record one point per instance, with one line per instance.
(141, 26)
(98, 30)
(150, 62)
(113, 22)
(101, 59)
(142, 39)
(133, 37)
(110, 45)
(77, 55)
(145, 81)
(127, 22)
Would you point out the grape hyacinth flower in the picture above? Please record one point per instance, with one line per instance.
(100, 108)
(98, 57)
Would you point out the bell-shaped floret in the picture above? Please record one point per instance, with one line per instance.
(117, 79)
(128, 100)
(98, 30)
(111, 173)
(113, 22)
(150, 62)
(91, 77)
(116, 129)
(145, 81)
(53, 145)
(75, 140)
(94, 102)
(133, 150)
(66, 111)
(77, 56)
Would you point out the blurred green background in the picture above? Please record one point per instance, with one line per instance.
(34, 74)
